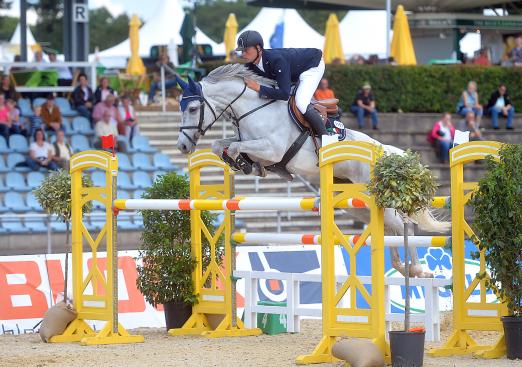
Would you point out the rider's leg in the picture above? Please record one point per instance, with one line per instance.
(308, 82)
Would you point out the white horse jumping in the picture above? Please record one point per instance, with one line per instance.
(266, 134)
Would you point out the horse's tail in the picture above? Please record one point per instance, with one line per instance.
(428, 222)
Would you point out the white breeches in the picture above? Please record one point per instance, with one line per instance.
(308, 82)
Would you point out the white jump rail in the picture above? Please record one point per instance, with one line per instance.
(294, 310)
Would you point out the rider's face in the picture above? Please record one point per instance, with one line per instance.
(249, 54)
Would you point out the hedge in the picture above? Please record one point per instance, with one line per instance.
(426, 88)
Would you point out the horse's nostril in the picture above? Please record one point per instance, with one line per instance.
(184, 147)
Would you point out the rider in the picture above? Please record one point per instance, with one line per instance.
(286, 66)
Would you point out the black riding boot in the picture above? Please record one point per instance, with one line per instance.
(316, 121)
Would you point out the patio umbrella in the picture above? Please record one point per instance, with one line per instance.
(187, 33)
(402, 45)
(135, 65)
(230, 35)
(333, 49)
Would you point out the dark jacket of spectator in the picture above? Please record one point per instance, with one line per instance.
(98, 94)
(78, 96)
(496, 95)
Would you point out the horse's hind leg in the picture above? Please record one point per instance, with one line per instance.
(416, 267)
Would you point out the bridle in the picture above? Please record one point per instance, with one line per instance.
(202, 102)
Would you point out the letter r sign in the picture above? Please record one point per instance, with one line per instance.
(80, 13)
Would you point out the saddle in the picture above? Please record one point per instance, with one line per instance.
(326, 108)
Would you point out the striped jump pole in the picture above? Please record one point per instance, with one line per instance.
(315, 239)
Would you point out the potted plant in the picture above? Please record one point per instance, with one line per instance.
(401, 182)
(165, 275)
(497, 221)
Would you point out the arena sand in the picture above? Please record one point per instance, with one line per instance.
(162, 350)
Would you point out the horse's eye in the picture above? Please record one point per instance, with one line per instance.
(193, 109)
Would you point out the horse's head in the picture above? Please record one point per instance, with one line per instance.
(194, 121)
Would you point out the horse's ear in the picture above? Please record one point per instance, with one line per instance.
(193, 86)
(181, 83)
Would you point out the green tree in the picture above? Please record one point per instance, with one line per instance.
(7, 27)
(106, 30)
(48, 29)
(317, 18)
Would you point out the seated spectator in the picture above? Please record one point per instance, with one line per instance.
(5, 119)
(470, 124)
(7, 89)
(500, 104)
(107, 105)
(163, 60)
(38, 58)
(102, 91)
(64, 73)
(129, 123)
(469, 102)
(441, 137)
(36, 121)
(83, 98)
(482, 58)
(364, 105)
(18, 125)
(323, 91)
(51, 115)
(515, 55)
(106, 126)
(40, 153)
(62, 150)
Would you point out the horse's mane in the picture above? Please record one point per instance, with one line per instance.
(240, 71)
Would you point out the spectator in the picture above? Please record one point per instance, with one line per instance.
(18, 126)
(500, 103)
(7, 89)
(515, 54)
(364, 105)
(51, 115)
(106, 126)
(38, 58)
(62, 151)
(64, 74)
(482, 58)
(441, 137)
(129, 123)
(5, 119)
(469, 102)
(40, 153)
(83, 97)
(36, 121)
(102, 91)
(107, 105)
(323, 91)
(470, 124)
(163, 60)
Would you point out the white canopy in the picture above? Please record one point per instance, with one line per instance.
(160, 29)
(9, 50)
(364, 32)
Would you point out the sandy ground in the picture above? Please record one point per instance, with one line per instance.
(160, 349)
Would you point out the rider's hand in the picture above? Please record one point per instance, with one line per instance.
(252, 84)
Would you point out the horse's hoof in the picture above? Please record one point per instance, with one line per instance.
(258, 169)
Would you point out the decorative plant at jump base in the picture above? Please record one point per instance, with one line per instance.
(54, 196)
(165, 275)
(403, 183)
(497, 214)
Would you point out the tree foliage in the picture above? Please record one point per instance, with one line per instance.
(317, 18)
(7, 27)
(497, 214)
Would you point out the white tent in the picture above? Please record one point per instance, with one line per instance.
(160, 29)
(364, 33)
(297, 33)
(9, 50)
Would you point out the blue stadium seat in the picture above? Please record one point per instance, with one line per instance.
(14, 225)
(16, 181)
(32, 203)
(3, 145)
(96, 220)
(141, 144)
(3, 187)
(3, 166)
(65, 107)
(162, 162)
(18, 143)
(3, 208)
(98, 178)
(141, 180)
(157, 174)
(124, 163)
(66, 125)
(137, 194)
(124, 182)
(13, 159)
(25, 107)
(122, 194)
(81, 125)
(125, 222)
(141, 162)
(38, 101)
(34, 179)
(80, 143)
(58, 225)
(36, 224)
(138, 221)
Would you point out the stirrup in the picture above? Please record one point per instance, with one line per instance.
(226, 158)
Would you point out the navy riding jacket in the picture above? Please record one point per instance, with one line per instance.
(285, 65)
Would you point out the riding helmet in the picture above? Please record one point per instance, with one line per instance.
(249, 39)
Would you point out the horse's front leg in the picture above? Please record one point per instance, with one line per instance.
(218, 146)
(260, 151)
